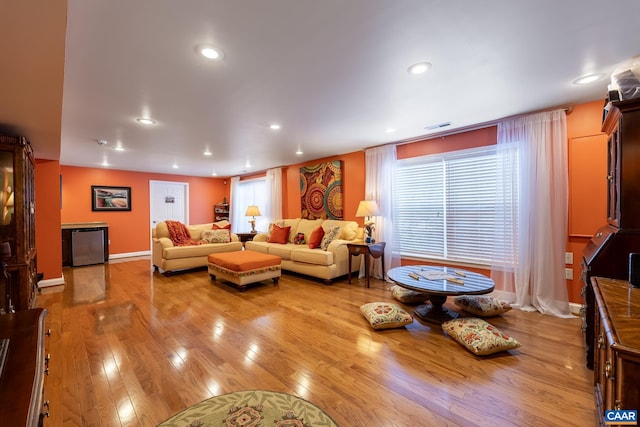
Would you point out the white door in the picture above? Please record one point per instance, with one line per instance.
(168, 200)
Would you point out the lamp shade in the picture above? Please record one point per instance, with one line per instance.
(252, 211)
(367, 208)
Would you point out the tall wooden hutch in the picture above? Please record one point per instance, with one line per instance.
(612, 307)
(17, 222)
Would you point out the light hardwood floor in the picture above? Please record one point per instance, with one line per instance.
(131, 347)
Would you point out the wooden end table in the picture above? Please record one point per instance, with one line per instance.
(246, 237)
(373, 250)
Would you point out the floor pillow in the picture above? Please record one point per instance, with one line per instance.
(482, 305)
(384, 315)
(479, 336)
(408, 296)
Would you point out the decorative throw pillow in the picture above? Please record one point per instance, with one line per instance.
(479, 336)
(408, 296)
(384, 315)
(279, 234)
(222, 225)
(316, 237)
(216, 236)
(329, 236)
(299, 239)
(482, 305)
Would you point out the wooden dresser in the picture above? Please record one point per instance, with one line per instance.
(22, 377)
(617, 353)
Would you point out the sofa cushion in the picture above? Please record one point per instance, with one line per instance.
(279, 234)
(177, 252)
(263, 247)
(216, 236)
(283, 251)
(311, 256)
(348, 229)
(384, 315)
(329, 236)
(316, 237)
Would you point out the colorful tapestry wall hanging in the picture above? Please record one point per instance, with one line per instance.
(321, 190)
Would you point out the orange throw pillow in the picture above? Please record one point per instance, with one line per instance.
(279, 234)
(316, 237)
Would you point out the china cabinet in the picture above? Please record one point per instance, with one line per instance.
(17, 224)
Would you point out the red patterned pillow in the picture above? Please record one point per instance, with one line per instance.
(279, 234)
(316, 237)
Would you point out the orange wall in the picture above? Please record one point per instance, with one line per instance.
(586, 120)
(353, 177)
(48, 236)
(131, 231)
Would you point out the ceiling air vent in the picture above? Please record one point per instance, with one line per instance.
(438, 126)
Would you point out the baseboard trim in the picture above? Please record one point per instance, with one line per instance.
(51, 282)
(129, 254)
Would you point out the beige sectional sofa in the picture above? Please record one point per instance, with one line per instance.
(323, 264)
(168, 258)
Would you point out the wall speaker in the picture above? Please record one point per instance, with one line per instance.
(634, 269)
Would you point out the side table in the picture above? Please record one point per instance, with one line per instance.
(245, 237)
(373, 250)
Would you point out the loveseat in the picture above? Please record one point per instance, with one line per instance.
(325, 264)
(169, 257)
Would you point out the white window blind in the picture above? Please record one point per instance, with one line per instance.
(250, 192)
(447, 207)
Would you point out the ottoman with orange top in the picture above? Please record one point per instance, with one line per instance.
(244, 267)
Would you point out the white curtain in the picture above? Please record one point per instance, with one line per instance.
(273, 211)
(235, 210)
(380, 165)
(532, 153)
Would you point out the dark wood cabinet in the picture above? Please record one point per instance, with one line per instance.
(622, 125)
(22, 401)
(616, 323)
(17, 220)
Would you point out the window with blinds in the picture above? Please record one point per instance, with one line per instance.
(447, 206)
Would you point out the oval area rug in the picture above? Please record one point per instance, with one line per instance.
(252, 408)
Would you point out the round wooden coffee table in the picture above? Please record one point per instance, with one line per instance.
(439, 283)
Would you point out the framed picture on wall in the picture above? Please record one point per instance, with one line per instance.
(104, 198)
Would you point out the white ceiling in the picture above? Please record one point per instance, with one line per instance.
(332, 73)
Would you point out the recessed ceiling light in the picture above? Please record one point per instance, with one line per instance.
(390, 130)
(299, 152)
(175, 166)
(210, 52)
(146, 121)
(118, 148)
(275, 126)
(214, 173)
(419, 68)
(589, 78)
(207, 152)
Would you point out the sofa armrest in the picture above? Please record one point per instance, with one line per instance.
(261, 237)
(234, 237)
(163, 242)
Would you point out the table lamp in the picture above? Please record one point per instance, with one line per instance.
(367, 209)
(253, 212)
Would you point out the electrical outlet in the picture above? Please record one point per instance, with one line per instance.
(568, 273)
(568, 258)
